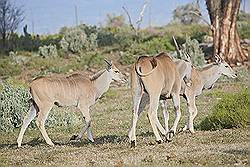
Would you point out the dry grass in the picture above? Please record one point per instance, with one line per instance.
(111, 120)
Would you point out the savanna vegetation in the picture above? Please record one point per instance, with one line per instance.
(222, 123)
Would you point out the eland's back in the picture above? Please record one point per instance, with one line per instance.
(64, 91)
(165, 76)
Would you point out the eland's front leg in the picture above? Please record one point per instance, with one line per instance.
(192, 112)
(176, 101)
(165, 114)
(86, 116)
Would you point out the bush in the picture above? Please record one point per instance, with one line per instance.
(231, 112)
(76, 40)
(47, 51)
(191, 46)
(127, 58)
(14, 103)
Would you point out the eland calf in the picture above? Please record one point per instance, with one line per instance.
(202, 79)
(75, 90)
(153, 78)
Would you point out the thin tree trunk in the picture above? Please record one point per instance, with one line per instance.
(223, 16)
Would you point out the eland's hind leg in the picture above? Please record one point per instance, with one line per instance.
(152, 115)
(31, 115)
(139, 105)
(158, 124)
(41, 118)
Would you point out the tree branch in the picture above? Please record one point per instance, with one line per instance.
(129, 19)
(141, 15)
(199, 15)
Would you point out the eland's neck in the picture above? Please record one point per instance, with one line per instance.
(102, 83)
(210, 74)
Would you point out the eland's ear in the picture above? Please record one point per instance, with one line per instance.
(187, 56)
(109, 64)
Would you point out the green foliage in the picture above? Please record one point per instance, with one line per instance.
(9, 68)
(30, 42)
(76, 40)
(47, 51)
(197, 56)
(243, 24)
(232, 111)
(91, 59)
(127, 58)
(105, 37)
(149, 47)
(13, 104)
(180, 31)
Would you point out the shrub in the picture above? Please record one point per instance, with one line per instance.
(14, 103)
(232, 111)
(76, 40)
(191, 46)
(127, 58)
(105, 37)
(91, 59)
(46, 51)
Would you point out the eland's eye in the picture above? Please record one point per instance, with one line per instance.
(116, 71)
(226, 66)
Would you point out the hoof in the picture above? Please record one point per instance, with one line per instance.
(170, 135)
(132, 144)
(74, 137)
(158, 141)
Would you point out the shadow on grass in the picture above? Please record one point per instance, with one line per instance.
(32, 143)
(237, 151)
(113, 139)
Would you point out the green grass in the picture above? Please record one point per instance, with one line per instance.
(232, 111)
(111, 120)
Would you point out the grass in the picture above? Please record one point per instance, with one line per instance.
(232, 111)
(111, 120)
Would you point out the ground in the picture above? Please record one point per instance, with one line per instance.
(111, 120)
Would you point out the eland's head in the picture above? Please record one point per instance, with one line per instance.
(115, 73)
(224, 67)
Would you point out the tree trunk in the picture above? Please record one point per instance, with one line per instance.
(223, 16)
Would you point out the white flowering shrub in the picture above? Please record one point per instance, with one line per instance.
(13, 104)
(47, 51)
